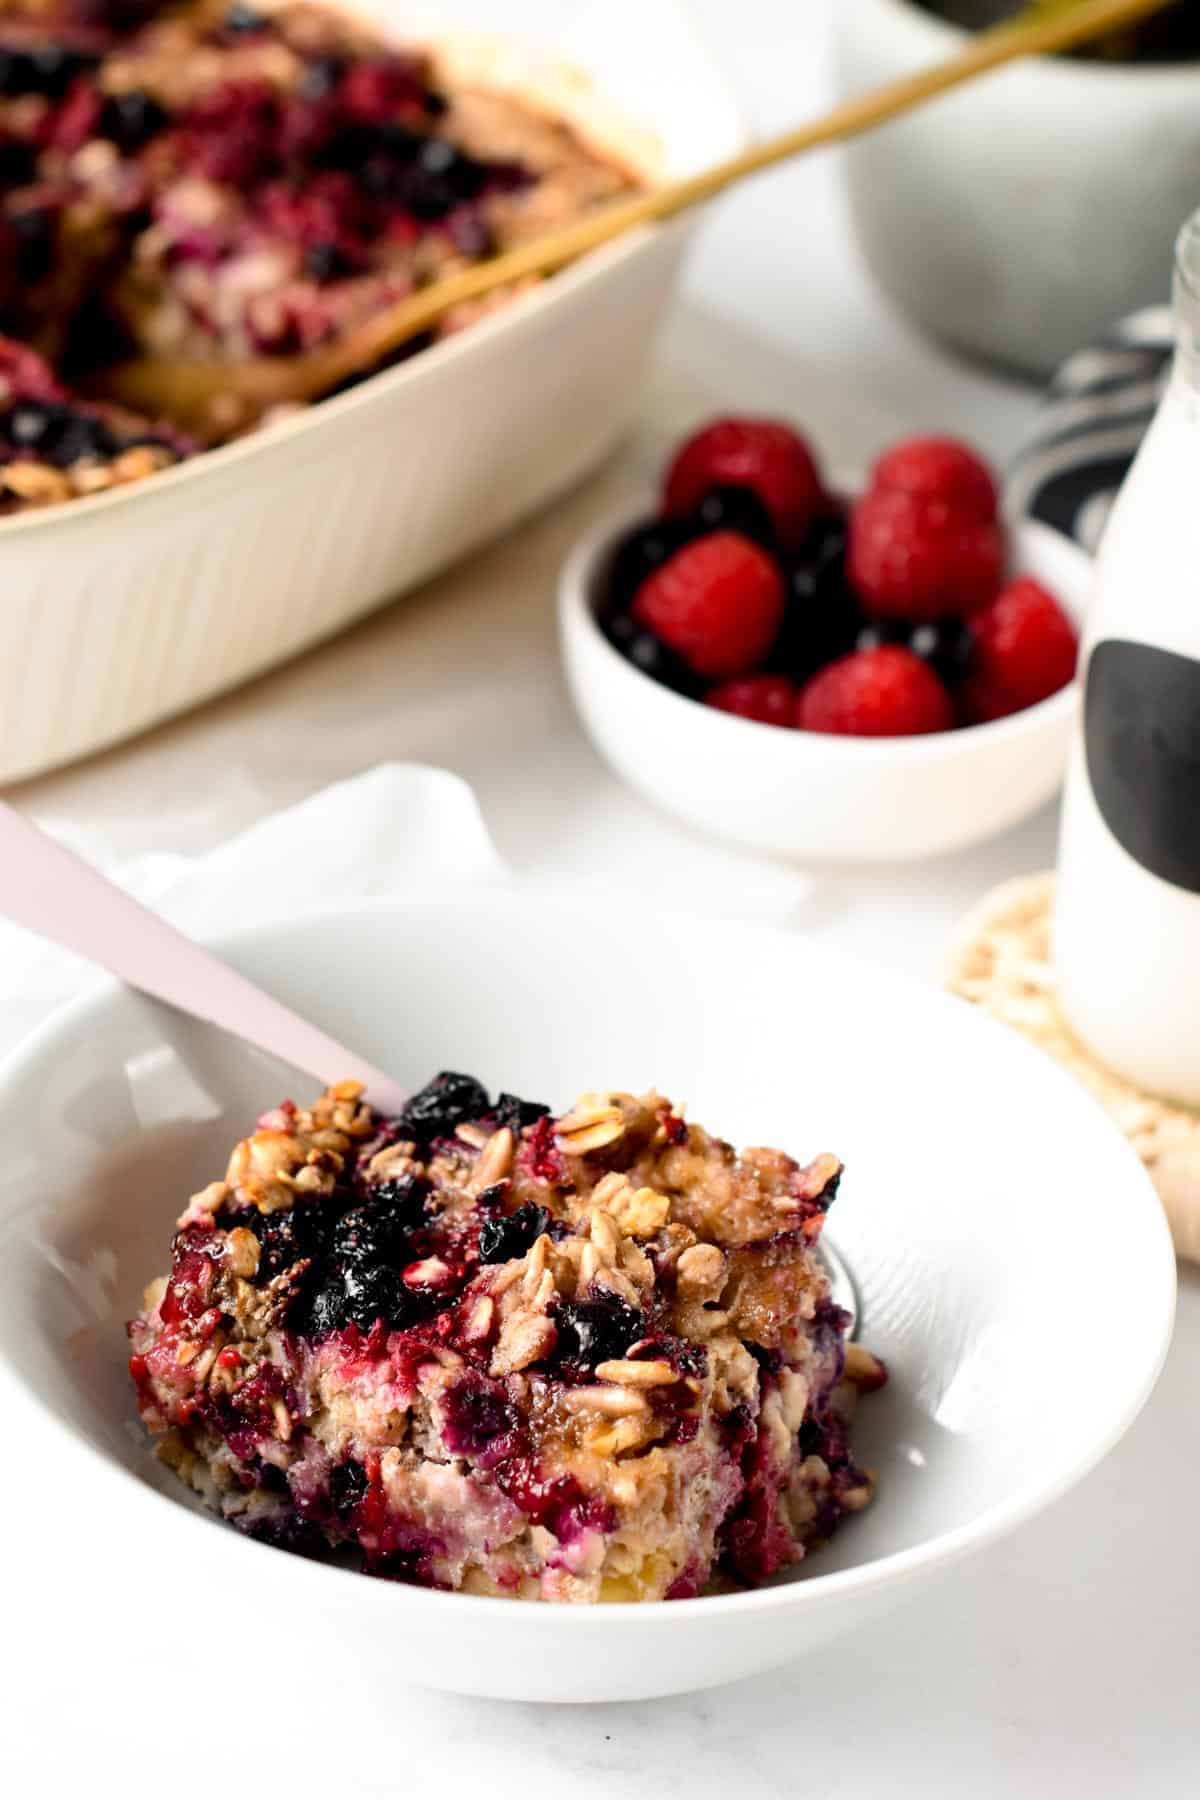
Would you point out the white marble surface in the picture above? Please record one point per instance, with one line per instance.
(1064, 1662)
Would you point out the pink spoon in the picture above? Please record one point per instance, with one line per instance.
(50, 891)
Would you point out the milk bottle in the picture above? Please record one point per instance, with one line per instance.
(1127, 930)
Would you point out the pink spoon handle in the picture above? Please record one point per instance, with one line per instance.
(50, 891)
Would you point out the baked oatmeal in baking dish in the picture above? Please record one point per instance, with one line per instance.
(591, 1357)
(55, 446)
(219, 181)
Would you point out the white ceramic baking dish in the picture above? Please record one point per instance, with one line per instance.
(125, 608)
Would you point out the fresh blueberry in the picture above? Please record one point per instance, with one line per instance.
(823, 618)
(596, 1331)
(735, 509)
(130, 119)
(947, 646)
(447, 1101)
(819, 566)
(502, 1240)
(640, 553)
(650, 655)
(875, 634)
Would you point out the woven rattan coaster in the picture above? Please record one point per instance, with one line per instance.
(1000, 959)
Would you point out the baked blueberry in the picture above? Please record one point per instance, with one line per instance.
(594, 1331)
(287, 1236)
(348, 1484)
(446, 1102)
(501, 1240)
(132, 118)
(516, 1113)
(33, 229)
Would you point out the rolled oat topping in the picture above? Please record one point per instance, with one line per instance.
(497, 1351)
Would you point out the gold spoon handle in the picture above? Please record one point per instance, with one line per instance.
(1036, 31)
(187, 389)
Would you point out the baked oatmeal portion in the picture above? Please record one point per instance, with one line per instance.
(591, 1357)
(55, 446)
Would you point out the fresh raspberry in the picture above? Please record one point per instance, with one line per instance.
(760, 454)
(1025, 650)
(887, 692)
(768, 699)
(939, 469)
(912, 559)
(717, 603)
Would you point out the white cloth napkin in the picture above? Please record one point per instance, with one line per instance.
(391, 828)
(396, 827)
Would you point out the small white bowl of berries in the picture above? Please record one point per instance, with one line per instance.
(874, 677)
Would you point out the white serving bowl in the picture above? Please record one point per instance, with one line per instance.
(1018, 218)
(125, 608)
(1011, 1257)
(810, 795)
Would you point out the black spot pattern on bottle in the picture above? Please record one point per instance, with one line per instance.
(1142, 737)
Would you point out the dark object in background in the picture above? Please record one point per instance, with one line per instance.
(1172, 37)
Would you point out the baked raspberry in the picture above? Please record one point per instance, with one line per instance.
(767, 699)
(232, 134)
(77, 119)
(717, 603)
(760, 454)
(939, 469)
(1026, 649)
(887, 692)
(911, 558)
(384, 88)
